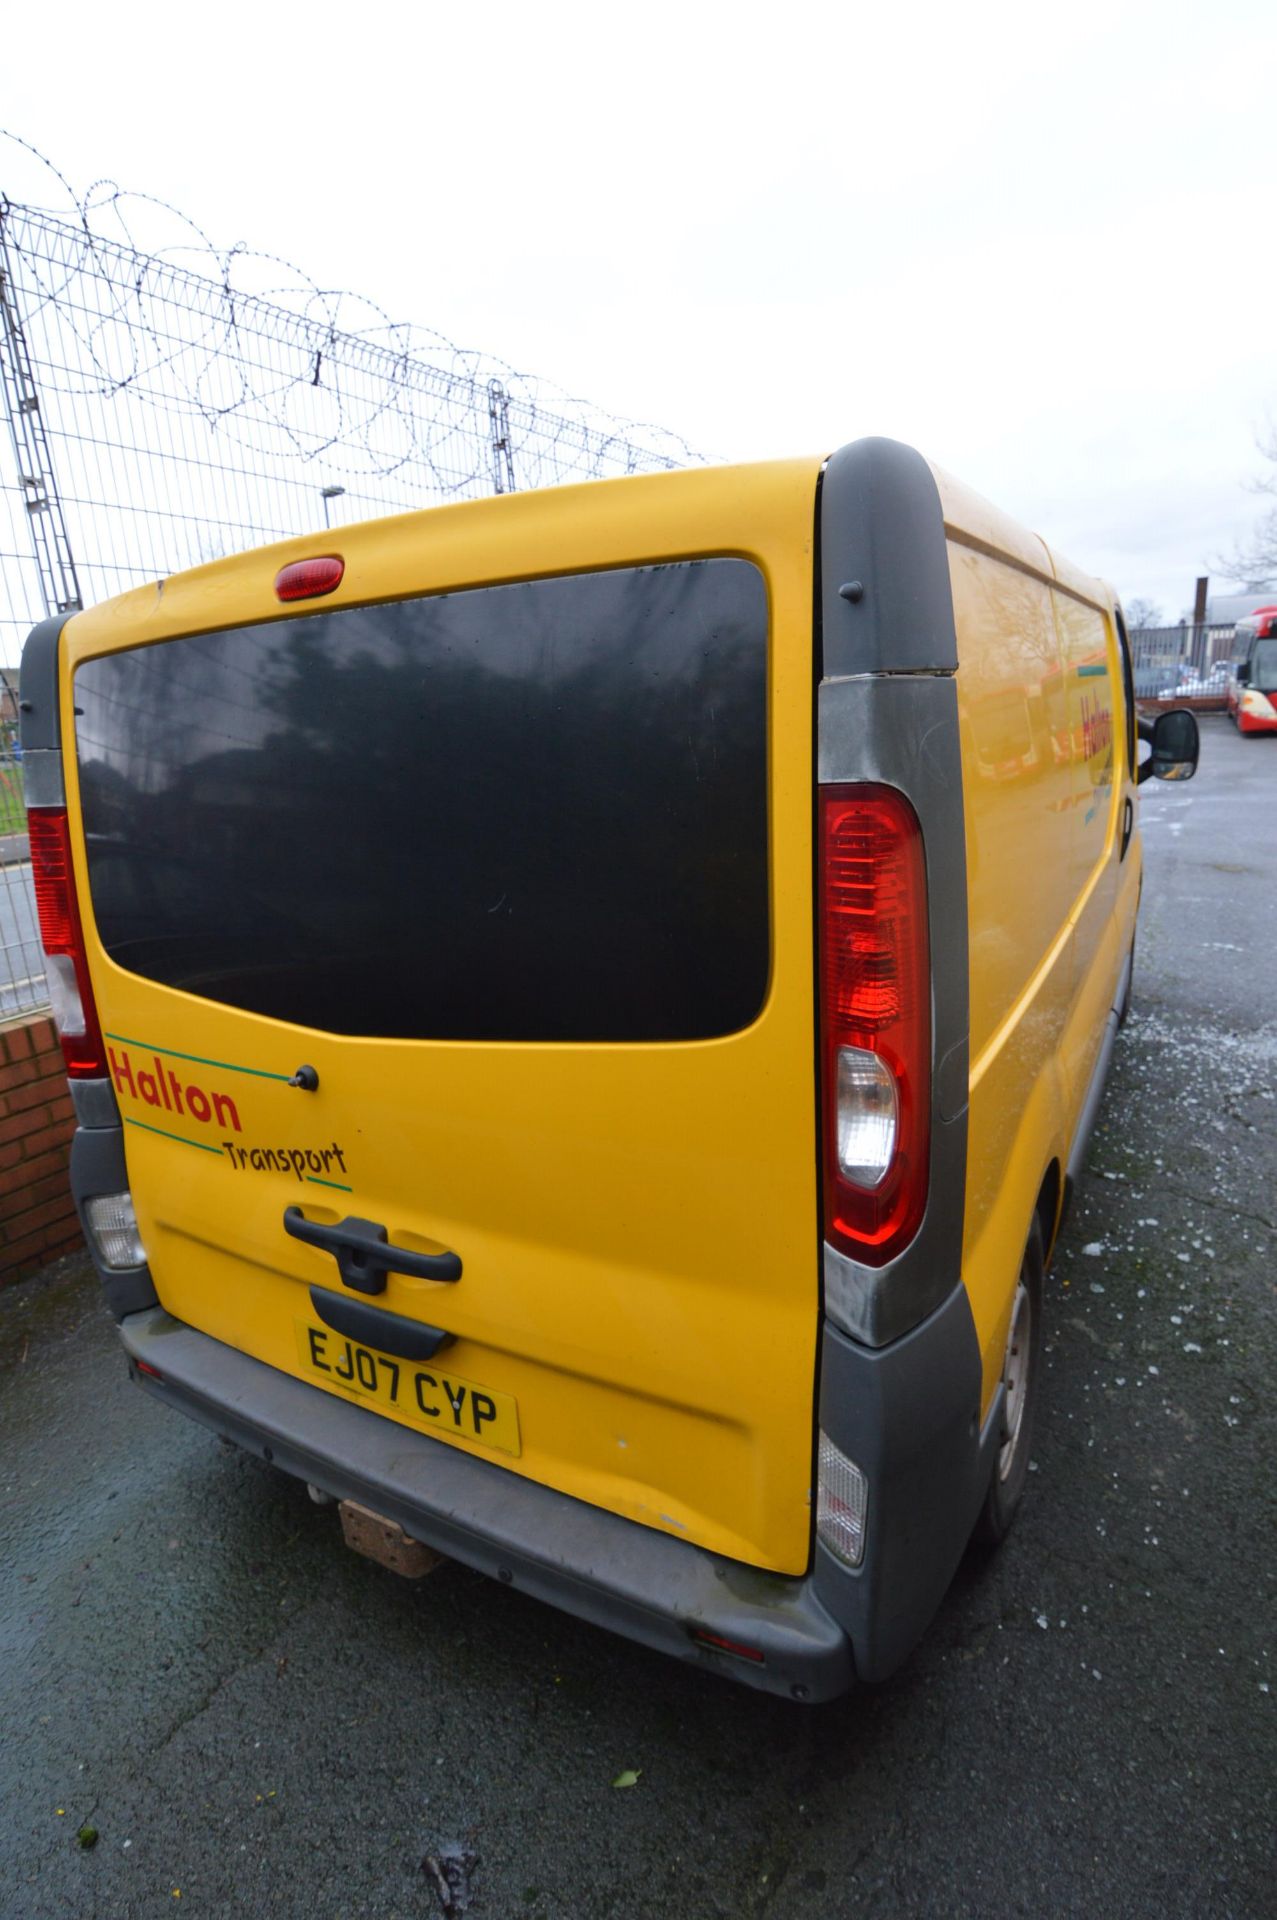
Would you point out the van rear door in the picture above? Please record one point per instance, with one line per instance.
(508, 841)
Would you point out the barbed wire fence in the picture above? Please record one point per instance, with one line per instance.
(168, 402)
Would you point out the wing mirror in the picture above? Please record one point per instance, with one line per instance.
(1176, 743)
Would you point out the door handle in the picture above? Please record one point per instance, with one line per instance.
(374, 1327)
(363, 1252)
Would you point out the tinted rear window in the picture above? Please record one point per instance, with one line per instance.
(529, 812)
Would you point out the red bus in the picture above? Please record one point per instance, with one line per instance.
(1252, 689)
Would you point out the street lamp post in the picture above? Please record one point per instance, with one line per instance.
(327, 494)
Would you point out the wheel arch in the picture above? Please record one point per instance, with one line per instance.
(1048, 1209)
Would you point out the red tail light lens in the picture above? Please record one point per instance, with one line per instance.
(309, 579)
(62, 937)
(875, 972)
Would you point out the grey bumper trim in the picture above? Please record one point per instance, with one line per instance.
(593, 1564)
(97, 1166)
(95, 1104)
(887, 710)
(38, 680)
(909, 1416)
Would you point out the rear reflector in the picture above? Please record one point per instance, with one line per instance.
(875, 977)
(309, 579)
(62, 937)
(842, 1498)
(720, 1645)
(112, 1227)
(144, 1366)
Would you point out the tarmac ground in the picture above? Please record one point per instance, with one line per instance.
(251, 1719)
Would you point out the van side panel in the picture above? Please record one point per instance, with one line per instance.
(1092, 671)
(1053, 891)
(1018, 789)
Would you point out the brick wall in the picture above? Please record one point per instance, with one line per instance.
(37, 1219)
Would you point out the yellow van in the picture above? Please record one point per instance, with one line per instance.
(583, 1008)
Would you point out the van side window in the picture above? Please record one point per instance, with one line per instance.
(1128, 688)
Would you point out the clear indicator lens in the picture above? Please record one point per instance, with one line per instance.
(112, 1225)
(868, 1110)
(842, 1500)
(64, 994)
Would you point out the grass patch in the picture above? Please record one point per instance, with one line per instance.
(13, 812)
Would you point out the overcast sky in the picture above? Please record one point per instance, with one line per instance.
(1038, 243)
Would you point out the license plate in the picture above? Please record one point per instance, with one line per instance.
(432, 1398)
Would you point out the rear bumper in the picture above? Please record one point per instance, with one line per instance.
(593, 1564)
(907, 1413)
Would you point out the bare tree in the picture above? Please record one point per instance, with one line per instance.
(1143, 613)
(1253, 561)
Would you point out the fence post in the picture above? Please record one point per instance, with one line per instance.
(1199, 619)
(499, 426)
(49, 540)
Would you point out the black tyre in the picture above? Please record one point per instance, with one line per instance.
(1021, 1377)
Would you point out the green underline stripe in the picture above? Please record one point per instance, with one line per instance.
(172, 1136)
(1091, 673)
(225, 1066)
(315, 1181)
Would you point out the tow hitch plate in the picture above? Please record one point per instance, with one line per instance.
(386, 1542)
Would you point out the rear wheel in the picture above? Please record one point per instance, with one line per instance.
(1021, 1371)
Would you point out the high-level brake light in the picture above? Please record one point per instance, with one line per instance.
(62, 937)
(875, 976)
(309, 579)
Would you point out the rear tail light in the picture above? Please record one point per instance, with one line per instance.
(62, 937)
(875, 971)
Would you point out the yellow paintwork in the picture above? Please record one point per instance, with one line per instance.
(637, 1223)
(1052, 908)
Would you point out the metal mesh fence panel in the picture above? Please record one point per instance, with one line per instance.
(1182, 663)
(22, 982)
(186, 415)
(168, 405)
